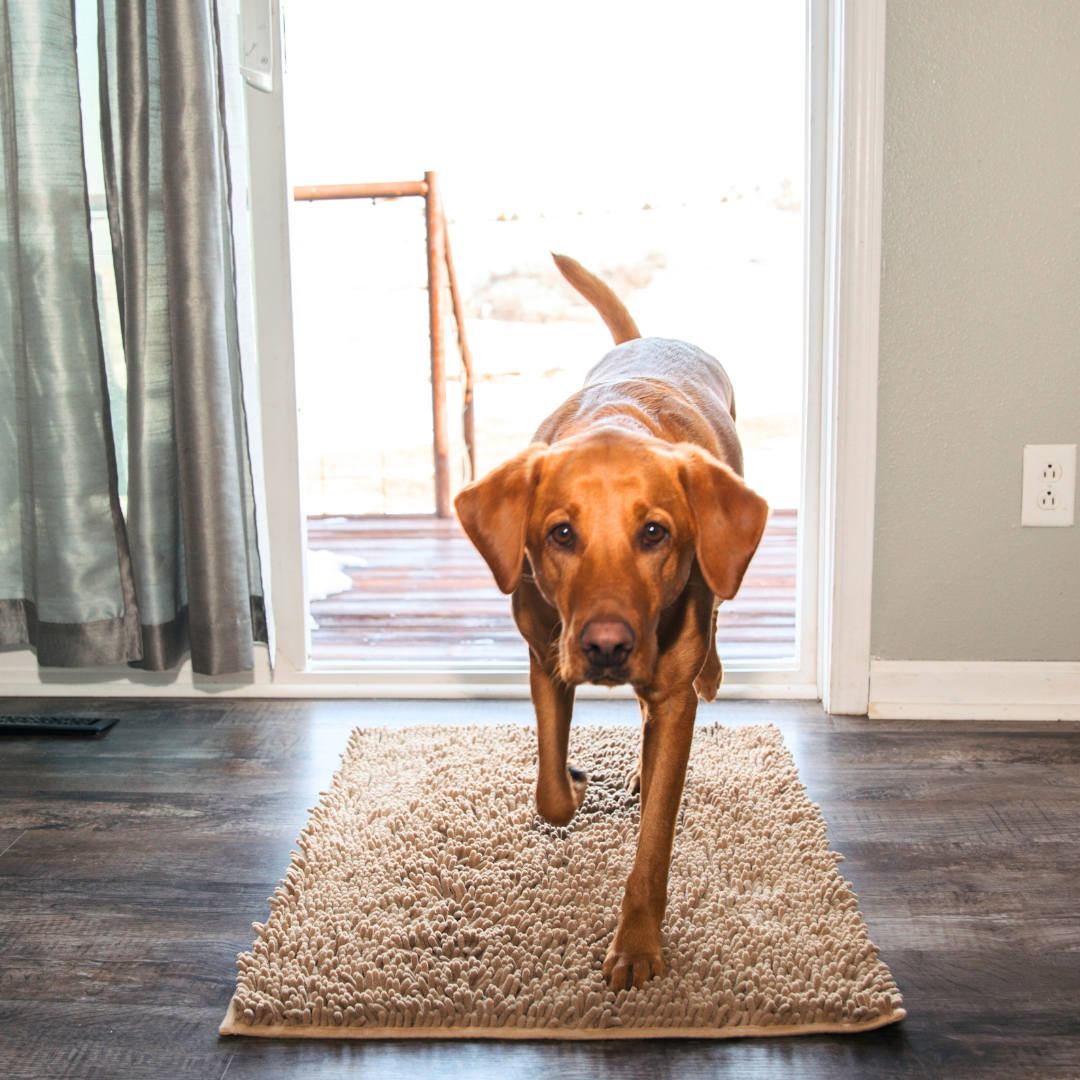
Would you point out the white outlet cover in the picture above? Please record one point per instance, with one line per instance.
(1044, 503)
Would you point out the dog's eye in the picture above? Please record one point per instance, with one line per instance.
(563, 535)
(653, 533)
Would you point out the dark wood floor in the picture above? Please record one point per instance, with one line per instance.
(426, 594)
(132, 867)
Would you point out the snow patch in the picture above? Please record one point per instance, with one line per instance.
(326, 573)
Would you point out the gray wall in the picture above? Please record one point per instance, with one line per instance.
(980, 328)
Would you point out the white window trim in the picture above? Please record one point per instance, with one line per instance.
(852, 301)
(285, 581)
(845, 104)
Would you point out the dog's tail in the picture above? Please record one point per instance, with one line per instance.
(599, 294)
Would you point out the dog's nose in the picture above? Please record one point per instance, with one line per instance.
(607, 642)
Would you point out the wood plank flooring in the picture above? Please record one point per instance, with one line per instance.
(425, 594)
(132, 867)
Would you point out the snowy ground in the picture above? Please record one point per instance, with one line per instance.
(551, 127)
(725, 275)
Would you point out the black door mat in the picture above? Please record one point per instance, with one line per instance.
(55, 725)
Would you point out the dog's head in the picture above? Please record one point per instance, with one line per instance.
(610, 523)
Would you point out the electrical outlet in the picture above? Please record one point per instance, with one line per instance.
(1049, 485)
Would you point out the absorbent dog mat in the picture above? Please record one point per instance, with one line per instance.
(429, 900)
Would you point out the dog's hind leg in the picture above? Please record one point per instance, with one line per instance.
(711, 674)
(560, 788)
(633, 777)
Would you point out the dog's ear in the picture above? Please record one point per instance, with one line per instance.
(494, 512)
(729, 518)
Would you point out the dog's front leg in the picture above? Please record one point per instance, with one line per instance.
(635, 955)
(560, 788)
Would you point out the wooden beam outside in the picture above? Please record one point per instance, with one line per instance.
(391, 189)
(440, 267)
(436, 252)
(467, 421)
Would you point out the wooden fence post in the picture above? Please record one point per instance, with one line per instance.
(440, 269)
(436, 253)
(468, 423)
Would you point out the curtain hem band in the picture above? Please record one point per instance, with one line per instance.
(89, 644)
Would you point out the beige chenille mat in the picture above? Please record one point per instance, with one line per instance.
(430, 901)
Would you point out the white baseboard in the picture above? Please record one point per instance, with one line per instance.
(21, 677)
(974, 690)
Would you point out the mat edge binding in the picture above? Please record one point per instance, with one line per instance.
(229, 1026)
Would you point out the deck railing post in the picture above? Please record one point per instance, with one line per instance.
(436, 253)
(468, 423)
(440, 272)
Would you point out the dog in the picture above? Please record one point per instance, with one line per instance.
(618, 532)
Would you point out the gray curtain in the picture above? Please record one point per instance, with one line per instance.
(190, 505)
(65, 572)
(68, 581)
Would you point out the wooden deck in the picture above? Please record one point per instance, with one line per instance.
(426, 595)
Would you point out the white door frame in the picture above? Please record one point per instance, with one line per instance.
(845, 104)
(270, 196)
(852, 300)
(845, 109)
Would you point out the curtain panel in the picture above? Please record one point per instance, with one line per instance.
(186, 571)
(191, 512)
(66, 584)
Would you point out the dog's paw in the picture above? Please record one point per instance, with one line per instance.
(633, 958)
(633, 779)
(558, 803)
